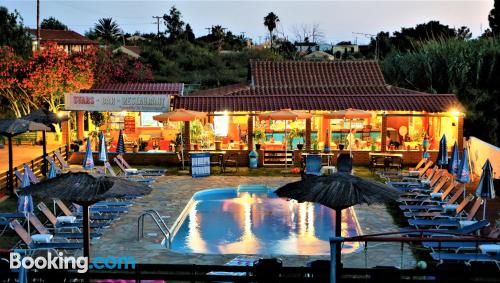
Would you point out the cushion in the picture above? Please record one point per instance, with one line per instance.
(42, 238)
(66, 219)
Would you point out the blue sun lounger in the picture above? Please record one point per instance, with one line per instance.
(40, 228)
(434, 223)
(32, 245)
(466, 257)
(469, 229)
(58, 224)
(457, 246)
(93, 215)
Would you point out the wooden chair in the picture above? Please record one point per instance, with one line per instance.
(232, 159)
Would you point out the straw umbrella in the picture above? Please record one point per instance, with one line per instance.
(285, 115)
(85, 189)
(14, 127)
(349, 114)
(180, 115)
(44, 116)
(485, 188)
(338, 191)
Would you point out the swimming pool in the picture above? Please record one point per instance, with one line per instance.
(253, 220)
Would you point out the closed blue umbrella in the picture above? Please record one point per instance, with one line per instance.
(463, 173)
(442, 158)
(88, 160)
(25, 203)
(454, 161)
(103, 152)
(485, 188)
(52, 171)
(120, 147)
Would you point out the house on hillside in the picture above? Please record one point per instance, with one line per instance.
(344, 47)
(70, 41)
(132, 51)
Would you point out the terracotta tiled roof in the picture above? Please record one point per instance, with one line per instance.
(224, 90)
(139, 88)
(62, 36)
(136, 49)
(320, 90)
(305, 73)
(390, 102)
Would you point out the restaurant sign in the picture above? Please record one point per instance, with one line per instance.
(115, 102)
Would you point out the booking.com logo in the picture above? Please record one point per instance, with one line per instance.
(81, 264)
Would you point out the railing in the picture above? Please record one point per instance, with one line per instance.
(158, 219)
(35, 164)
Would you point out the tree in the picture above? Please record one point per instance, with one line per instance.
(53, 23)
(218, 35)
(13, 32)
(174, 23)
(270, 21)
(463, 33)
(189, 34)
(120, 68)
(494, 18)
(107, 30)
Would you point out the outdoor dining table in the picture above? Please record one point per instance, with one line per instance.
(328, 155)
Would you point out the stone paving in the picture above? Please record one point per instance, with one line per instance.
(170, 196)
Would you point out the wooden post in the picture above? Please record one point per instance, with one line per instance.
(10, 180)
(460, 134)
(187, 136)
(383, 134)
(250, 132)
(307, 134)
(79, 125)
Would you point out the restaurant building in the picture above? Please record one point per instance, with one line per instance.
(391, 119)
(399, 119)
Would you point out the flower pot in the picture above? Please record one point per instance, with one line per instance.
(341, 146)
(196, 146)
(257, 146)
(300, 146)
(178, 148)
(218, 145)
(242, 146)
(315, 146)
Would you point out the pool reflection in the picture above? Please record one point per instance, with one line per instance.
(261, 224)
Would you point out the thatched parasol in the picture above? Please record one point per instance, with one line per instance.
(14, 127)
(44, 116)
(85, 189)
(338, 191)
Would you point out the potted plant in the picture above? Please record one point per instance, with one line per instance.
(315, 144)
(177, 142)
(297, 133)
(218, 144)
(196, 132)
(259, 136)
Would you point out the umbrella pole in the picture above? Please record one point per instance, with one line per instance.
(484, 210)
(86, 232)
(286, 148)
(44, 146)
(10, 183)
(338, 232)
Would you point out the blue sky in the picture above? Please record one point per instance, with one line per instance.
(337, 19)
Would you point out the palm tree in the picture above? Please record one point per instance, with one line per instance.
(107, 30)
(270, 22)
(218, 34)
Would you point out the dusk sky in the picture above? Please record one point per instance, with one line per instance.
(337, 19)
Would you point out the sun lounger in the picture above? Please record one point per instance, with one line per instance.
(456, 246)
(64, 164)
(40, 228)
(68, 221)
(419, 184)
(137, 178)
(431, 205)
(413, 197)
(32, 245)
(466, 230)
(54, 164)
(466, 257)
(144, 172)
(93, 215)
(456, 211)
(33, 178)
(101, 209)
(439, 223)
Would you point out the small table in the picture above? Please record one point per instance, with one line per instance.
(385, 154)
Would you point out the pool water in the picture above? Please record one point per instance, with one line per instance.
(228, 221)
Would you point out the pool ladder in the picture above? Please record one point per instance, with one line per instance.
(158, 219)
